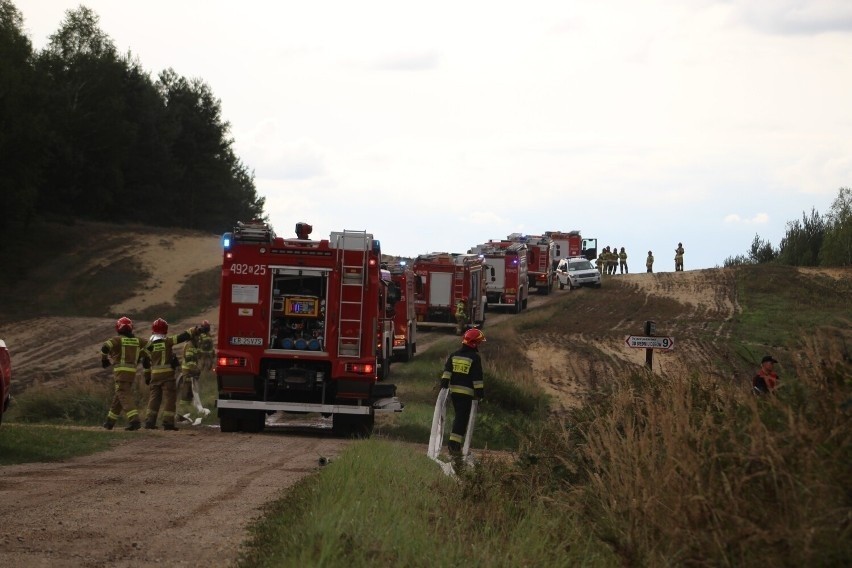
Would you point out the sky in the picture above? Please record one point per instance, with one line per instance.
(439, 125)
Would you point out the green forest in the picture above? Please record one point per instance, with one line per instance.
(88, 133)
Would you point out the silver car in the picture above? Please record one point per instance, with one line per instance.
(576, 272)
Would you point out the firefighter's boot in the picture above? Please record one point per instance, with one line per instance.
(171, 427)
(150, 425)
(134, 425)
(109, 424)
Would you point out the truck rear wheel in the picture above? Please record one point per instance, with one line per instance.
(352, 425)
(406, 355)
(253, 422)
(228, 422)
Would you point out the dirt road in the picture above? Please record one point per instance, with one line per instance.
(178, 498)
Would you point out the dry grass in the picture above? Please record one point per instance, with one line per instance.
(697, 473)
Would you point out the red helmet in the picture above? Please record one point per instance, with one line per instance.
(123, 324)
(205, 326)
(160, 326)
(473, 337)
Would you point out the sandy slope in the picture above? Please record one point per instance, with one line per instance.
(51, 348)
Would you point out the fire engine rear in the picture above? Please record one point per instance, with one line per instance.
(506, 263)
(303, 327)
(541, 258)
(404, 315)
(445, 279)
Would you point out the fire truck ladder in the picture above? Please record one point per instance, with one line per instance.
(353, 285)
(458, 285)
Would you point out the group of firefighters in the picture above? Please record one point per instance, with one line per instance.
(159, 362)
(608, 260)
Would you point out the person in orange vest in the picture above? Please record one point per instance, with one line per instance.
(123, 352)
(160, 362)
(766, 379)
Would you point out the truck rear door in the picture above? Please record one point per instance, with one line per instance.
(440, 289)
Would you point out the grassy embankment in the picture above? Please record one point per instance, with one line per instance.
(653, 470)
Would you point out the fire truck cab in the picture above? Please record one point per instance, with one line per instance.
(445, 279)
(304, 327)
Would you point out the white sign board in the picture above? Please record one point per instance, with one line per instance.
(245, 293)
(645, 342)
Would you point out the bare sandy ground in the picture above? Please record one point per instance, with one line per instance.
(167, 498)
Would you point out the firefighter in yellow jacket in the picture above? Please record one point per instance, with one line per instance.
(461, 316)
(649, 262)
(123, 352)
(160, 363)
(205, 347)
(463, 376)
(679, 258)
(622, 261)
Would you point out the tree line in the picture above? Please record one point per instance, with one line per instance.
(816, 240)
(85, 132)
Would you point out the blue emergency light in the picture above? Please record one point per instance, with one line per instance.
(226, 241)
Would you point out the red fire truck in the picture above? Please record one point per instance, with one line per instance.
(404, 316)
(541, 260)
(571, 245)
(303, 327)
(508, 280)
(445, 279)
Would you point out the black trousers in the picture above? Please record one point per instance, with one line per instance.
(461, 405)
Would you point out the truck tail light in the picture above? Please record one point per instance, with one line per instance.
(231, 361)
(361, 369)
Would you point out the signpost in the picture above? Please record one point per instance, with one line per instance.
(649, 342)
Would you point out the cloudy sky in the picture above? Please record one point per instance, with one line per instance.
(439, 125)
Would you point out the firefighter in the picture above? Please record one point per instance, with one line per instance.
(463, 376)
(600, 263)
(649, 262)
(190, 373)
(622, 261)
(613, 259)
(461, 316)
(160, 363)
(122, 352)
(679, 258)
(205, 347)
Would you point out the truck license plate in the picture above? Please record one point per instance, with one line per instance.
(246, 341)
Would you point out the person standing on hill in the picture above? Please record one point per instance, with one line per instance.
(463, 376)
(622, 261)
(160, 363)
(123, 352)
(649, 262)
(679, 258)
(766, 379)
